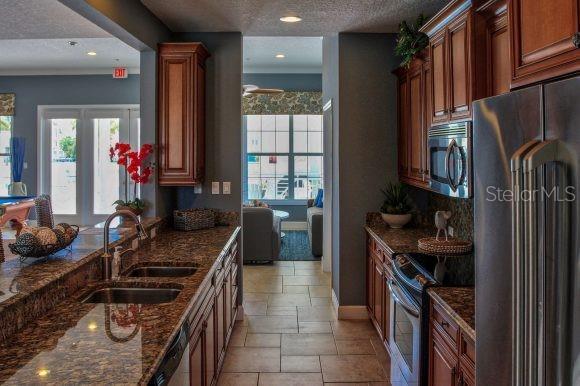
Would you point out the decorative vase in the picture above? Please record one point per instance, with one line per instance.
(396, 221)
(17, 189)
(126, 220)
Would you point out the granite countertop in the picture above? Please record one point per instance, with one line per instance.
(402, 240)
(459, 303)
(78, 343)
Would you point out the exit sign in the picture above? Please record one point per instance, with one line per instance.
(120, 73)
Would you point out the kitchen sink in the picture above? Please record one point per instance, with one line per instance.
(162, 271)
(133, 295)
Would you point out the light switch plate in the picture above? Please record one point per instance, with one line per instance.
(227, 187)
(215, 187)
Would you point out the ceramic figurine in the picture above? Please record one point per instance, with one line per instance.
(441, 217)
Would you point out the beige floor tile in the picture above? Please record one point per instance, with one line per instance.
(307, 280)
(238, 336)
(282, 311)
(316, 302)
(307, 264)
(351, 368)
(319, 291)
(307, 271)
(287, 300)
(346, 384)
(262, 340)
(295, 289)
(255, 308)
(238, 379)
(255, 296)
(314, 328)
(264, 284)
(283, 263)
(316, 314)
(308, 344)
(268, 271)
(252, 359)
(272, 324)
(291, 379)
(383, 356)
(352, 346)
(300, 364)
(351, 329)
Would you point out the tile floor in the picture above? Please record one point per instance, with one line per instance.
(290, 335)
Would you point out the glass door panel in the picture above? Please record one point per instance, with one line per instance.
(63, 165)
(106, 173)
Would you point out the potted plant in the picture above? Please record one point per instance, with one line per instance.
(410, 40)
(396, 209)
(136, 169)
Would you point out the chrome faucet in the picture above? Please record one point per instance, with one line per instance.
(107, 257)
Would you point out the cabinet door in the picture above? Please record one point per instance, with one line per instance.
(378, 295)
(228, 301)
(442, 363)
(199, 132)
(544, 37)
(427, 106)
(403, 115)
(459, 67)
(220, 319)
(370, 276)
(196, 357)
(498, 51)
(386, 307)
(438, 55)
(210, 345)
(415, 133)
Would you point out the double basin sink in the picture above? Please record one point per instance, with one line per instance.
(140, 295)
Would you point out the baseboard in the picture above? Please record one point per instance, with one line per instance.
(349, 312)
(294, 225)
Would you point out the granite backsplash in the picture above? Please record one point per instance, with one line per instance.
(427, 203)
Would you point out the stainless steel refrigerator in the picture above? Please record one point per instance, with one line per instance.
(526, 160)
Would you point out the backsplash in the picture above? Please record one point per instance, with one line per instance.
(427, 203)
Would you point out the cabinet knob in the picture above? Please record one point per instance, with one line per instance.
(576, 40)
(444, 324)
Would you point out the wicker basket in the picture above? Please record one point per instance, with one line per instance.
(25, 251)
(193, 219)
(451, 246)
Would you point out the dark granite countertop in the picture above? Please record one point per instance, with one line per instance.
(78, 343)
(459, 303)
(402, 240)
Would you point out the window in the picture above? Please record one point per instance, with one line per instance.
(283, 156)
(5, 164)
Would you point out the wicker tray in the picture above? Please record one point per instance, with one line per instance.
(193, 219)
(442, 247)
(26, 251)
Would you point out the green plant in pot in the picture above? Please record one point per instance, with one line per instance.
(410, 40)
(396, 209)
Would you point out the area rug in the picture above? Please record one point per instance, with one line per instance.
(295, 246)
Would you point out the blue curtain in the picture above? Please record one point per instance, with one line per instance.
(18, 145)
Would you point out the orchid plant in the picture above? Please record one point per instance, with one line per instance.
(135, 168)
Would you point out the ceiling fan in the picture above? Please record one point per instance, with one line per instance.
(249, 89)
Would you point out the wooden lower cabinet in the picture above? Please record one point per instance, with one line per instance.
(442, 363)
(212, 324)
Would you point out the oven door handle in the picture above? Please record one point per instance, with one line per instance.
(452, 184)
(399, 297)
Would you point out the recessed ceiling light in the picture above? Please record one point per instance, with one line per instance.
(280, 56)
(72, 43)
(290, 19)
(92, 53)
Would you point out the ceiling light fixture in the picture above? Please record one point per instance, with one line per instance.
(92, 53)
(280, 56)
(290, 19)
(72, 43)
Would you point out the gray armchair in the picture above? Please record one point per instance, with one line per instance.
(261, 235)
(315, 234)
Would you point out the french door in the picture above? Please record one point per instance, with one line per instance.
(75, 168)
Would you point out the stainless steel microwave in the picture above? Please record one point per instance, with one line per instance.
(450, 159)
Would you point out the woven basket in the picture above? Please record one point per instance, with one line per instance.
(193, 219)
(442, 247)
(24, 250)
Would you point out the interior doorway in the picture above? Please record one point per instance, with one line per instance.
(75, 167)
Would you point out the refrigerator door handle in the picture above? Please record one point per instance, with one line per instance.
(518, 216)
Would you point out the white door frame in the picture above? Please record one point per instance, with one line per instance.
(327, 235)
(84, 212)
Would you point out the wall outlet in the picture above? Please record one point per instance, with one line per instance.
(450, 231)
(227, 187)
(197, 189)
(215, 187)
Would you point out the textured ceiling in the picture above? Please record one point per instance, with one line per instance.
(44, 19)
(56, 56)
(302, 54)
(261, 17)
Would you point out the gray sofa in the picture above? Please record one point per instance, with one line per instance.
(314, 219)
(261, 235)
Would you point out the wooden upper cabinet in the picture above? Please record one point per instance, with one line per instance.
(181, 113)
(438, 54)
(458, 35)
(415, 135)
(544, 39)
(403, 122)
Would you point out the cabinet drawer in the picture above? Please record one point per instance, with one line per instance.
(444, 325)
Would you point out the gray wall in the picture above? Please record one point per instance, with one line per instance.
(287, 82)
(223, 121)
(32, 91)
(367, 147)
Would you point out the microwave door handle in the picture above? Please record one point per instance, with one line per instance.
(518, 263)
(447, 170)
(399, 298)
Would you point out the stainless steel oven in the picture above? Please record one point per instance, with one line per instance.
(450, 159)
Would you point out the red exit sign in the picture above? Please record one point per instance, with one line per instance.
(120, 73)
